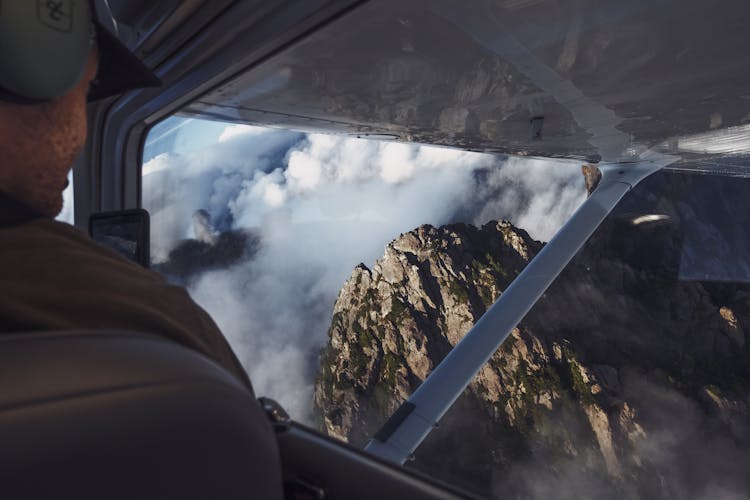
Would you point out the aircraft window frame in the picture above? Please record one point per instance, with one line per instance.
(583, 376)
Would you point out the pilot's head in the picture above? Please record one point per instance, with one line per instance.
(55, 57)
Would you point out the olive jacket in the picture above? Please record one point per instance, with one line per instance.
(54, 277)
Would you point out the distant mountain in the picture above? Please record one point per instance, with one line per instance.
(191, 257)
(623, 381)
(209, 250)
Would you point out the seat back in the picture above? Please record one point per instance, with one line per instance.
(115, 414)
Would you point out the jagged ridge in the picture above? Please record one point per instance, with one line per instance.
(574, 386)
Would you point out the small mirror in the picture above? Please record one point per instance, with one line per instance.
(124, 231)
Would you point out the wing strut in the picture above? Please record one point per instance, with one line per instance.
(410, 424)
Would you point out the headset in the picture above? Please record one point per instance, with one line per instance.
(44, 47)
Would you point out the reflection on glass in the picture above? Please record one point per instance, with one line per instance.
(630, 371)
(731, 140)
(124, 231)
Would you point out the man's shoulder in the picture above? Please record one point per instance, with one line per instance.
(51, 243)
(67, 280)
(44, 231)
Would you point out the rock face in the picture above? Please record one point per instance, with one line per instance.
(394, 323)
(591, 175)
(209, 250)
(621, 380)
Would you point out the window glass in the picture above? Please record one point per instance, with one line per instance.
(342, 270)
(67, 214)
(264, 226)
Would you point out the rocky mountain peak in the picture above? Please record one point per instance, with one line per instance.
(394, 322)
(608, 364)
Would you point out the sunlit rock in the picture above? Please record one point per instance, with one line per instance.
(612, 374)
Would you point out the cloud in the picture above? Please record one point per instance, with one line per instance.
(241, 130)
(686, 452)
(202, 228)
(536, 195)
(176, 185)
(693, 450)
(321, 204)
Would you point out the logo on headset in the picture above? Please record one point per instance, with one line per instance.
(56, 14)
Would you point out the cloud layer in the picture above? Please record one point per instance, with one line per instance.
(321, 204)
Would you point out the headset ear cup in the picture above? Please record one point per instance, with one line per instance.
(44, 46)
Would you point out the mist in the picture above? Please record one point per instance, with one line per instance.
(684, 451)
(321, 204)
